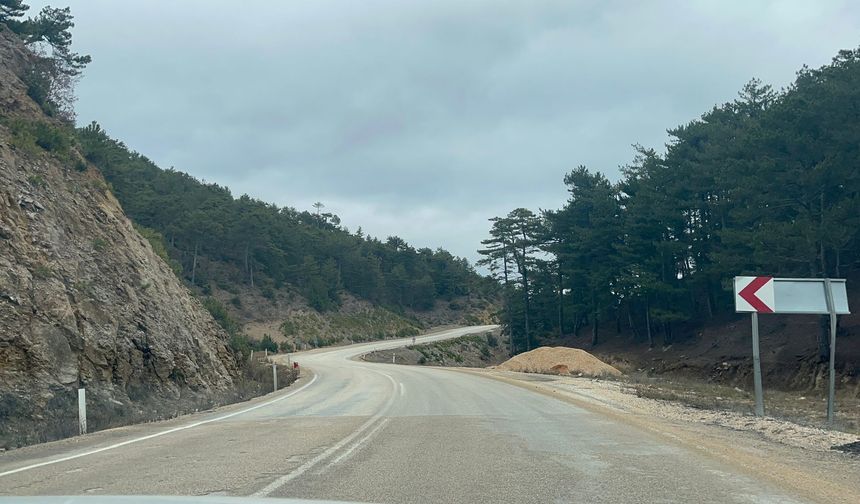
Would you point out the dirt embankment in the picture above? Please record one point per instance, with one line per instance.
(720, 352)
(473, 350)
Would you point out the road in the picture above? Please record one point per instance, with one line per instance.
(365, 432)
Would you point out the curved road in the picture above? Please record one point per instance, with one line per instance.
(367, 432)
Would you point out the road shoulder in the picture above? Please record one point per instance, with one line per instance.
(806, 466)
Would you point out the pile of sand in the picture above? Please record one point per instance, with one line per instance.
(559, 361)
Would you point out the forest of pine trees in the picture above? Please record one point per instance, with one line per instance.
(766, 184)
(272, 246)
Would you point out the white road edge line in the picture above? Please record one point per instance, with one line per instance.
(295, 473)
(157, 434)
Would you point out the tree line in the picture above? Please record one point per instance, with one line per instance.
(56, 68)
(765, 184)
(273, 246)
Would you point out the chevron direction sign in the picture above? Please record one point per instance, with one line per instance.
(814, 296)
(765, 294)
(754, 294)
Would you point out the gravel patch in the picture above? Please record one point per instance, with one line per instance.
(618, 396)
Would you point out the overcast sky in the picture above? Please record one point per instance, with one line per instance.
(425, 118)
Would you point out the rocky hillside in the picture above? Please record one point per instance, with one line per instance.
(84, 300)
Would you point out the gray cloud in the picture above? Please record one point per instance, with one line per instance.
(423, 119)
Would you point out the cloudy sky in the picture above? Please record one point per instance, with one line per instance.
(425, 118)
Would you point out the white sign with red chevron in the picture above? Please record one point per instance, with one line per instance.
(765, 294)
(754, 294)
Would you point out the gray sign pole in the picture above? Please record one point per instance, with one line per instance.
(831, 393)
(759, 398)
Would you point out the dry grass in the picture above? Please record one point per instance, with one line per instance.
(804, 408)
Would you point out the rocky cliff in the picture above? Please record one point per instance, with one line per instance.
(84, 300)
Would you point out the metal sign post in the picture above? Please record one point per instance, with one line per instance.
(759, 394)
(831, 389)
(814, 296)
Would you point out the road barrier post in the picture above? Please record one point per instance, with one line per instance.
(274, 377)
(393, 358)
(82, 411)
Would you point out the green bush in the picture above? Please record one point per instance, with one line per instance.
(36, 181)
(42, 271)
(268, 292)
(99, 245)
(156, 241)
(289, 327)
(38, 82)
(267, 344)
(219, 313)
(51, 138)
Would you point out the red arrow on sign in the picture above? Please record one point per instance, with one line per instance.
(748, 294)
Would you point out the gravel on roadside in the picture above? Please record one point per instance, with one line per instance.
(616, 395)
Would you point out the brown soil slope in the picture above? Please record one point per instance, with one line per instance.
(720, 351)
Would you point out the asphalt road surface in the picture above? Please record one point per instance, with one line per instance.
(358, 431)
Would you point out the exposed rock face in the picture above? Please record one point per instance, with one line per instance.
(84, 301)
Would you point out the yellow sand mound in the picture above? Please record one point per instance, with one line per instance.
(559, 361)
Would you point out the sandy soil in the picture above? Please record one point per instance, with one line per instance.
(559, 361)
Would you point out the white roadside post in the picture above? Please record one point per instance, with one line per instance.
(274, 377)
(393, 357)
(811, 296)
(82, 410)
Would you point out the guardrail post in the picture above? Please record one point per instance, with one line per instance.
(82, 411)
